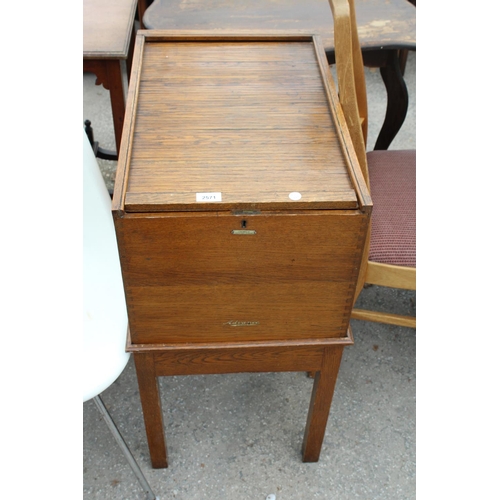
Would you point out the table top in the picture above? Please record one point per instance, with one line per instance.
(234, 124)
(381, 23)
(107, 28)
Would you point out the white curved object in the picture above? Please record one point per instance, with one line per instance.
(104, 310)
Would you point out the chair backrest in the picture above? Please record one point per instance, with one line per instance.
(352, 97)
(351, 76)
(104, 310)
(352, 94)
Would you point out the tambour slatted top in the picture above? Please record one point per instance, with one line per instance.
(235, 122)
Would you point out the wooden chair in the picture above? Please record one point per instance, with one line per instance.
(390, 255)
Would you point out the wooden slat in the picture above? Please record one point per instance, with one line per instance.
(122, 170)
(249, 120)
(346, 340)
(381, 317)
(239, 357)
(355, 168)
(391, 276)
(257, 359)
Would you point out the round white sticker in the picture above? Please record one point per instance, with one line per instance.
(295, 196)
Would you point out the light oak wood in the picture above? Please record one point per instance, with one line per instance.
(258, 279)
(383, 317)
(321, 400)
(188, 277)
(352, 95)
(391, 276)
(386, 28)
(151, 407)
(258, 114)
(323, 358)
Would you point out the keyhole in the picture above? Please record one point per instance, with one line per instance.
(243, 224)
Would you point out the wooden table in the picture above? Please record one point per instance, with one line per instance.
(108, 30)
(386, 27)
(241, 215)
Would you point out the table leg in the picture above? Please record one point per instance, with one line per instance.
(130, 55)
(151, 408)
(109, 75)
(323, 361)
(321, 400)
(403, 58)
(117, 96)
(397, 101)
(397, 93)
(141, 8)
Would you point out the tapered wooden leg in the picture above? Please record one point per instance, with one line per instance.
(151, 409)
(321, 400)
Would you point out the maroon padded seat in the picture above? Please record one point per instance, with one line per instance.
(393, 190)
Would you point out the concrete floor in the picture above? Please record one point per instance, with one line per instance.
(238, 437)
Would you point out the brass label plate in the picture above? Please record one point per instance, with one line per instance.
(243, 231)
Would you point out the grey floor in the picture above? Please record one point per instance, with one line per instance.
(238, 437)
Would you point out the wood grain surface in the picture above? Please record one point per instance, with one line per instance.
(263, 277)
(249, 121)
(151, 408)
(107, 28)
(382, 23)
(190, 279)
(252, 119)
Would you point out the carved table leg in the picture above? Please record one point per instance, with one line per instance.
(321, 399)
(151, 408)
(397, 93)
(109, 74)
(397, 101)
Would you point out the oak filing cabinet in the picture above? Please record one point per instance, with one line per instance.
(241, 215)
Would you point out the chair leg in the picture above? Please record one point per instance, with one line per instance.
(123, 445)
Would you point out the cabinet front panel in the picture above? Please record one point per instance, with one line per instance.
(226, 278)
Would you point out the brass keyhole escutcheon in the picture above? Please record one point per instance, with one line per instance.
(244, 230)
